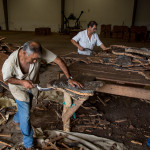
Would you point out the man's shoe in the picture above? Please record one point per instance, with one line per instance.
(16, 124)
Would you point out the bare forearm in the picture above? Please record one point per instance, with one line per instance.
(76, 44)
(62, 66)
(14, 81)
(103, 46)
(26, 83)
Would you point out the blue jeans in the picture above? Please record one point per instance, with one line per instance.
(148, 142)
(23, 117)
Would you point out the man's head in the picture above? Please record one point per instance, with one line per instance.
(32, 50)
(92, 26)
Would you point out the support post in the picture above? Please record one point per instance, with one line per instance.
(134, 12)
(68, 103)
(62, 12)
(70, 111)
(5, 13)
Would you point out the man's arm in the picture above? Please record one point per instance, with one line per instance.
(64, 68)
(104, 47)
(77, 45)
(99, 43)
(26, 83)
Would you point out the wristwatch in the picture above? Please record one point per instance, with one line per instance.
(70, 78)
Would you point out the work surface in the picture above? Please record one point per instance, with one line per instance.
(119, 82)
(108, 73)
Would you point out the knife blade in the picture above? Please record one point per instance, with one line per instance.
(42, 89)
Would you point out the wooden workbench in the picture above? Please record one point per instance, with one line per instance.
(117, 82)
(108, 73)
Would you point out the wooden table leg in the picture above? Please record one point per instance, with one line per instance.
(71, 110)
(67, 104)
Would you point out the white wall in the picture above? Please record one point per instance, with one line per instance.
(115, 12)
(2, 19)
(143, 13)
(26, 15)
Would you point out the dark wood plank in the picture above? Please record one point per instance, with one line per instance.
(125, 91)
(108, 73)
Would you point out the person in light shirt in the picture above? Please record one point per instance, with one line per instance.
(87, 39)
(21, 72)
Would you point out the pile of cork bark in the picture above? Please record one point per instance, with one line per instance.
(121, 57)
(132, 59)
(7, 47)
(5, 50)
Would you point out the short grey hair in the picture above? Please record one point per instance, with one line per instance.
(30, 49)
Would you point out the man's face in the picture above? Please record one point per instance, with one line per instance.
(93, 29)
(32, 58)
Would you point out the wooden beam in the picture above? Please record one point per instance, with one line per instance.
(70, 111)
(66, 106)
(62, 16)
(125, 91)
(134, 12)
(5, 13)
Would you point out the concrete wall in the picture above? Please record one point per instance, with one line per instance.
(115, 12)
(26, 15)
(2, 19)
(142, 14)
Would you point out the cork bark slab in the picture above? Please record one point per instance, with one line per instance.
(87, 90)
(135, 55)
(124, 61)
(132, 59)
(118, 52)
(141, 51)
(145, 73)
(143, 62)
(100, 58)
(120, 47)
(2, 38)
